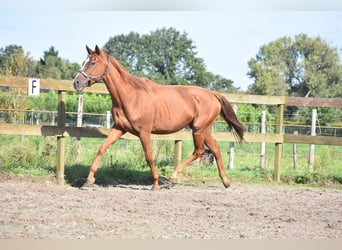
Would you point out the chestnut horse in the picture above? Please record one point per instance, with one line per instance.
(142, 107)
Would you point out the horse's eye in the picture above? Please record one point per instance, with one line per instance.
(93, 62)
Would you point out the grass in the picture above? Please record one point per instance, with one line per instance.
(27, 157)
(124, 162)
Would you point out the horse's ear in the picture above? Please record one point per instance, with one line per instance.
(90, 52)
(98, 50)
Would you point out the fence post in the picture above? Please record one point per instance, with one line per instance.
(263, 144)
(108, 119)
(232, 147)
(295, 153)
(312, 146)
(178, 152)
(278, 146)
(79, 124)
(61, 138)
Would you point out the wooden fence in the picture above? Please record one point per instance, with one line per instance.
(61, 131)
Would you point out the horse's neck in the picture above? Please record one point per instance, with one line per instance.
(120, 91)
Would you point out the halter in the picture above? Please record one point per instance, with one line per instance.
(89, 78)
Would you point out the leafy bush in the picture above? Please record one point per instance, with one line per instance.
(29, 156)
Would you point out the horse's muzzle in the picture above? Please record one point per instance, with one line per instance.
(78, 85)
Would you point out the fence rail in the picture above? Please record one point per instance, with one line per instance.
(49, 117)
(61, 130)
(184, 135)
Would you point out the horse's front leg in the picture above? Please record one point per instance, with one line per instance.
(113, 136)
(145, 139)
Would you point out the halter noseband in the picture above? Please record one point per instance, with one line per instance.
(89, 78)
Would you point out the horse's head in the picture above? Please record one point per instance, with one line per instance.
(93, 70)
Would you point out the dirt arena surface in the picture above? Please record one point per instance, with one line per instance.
(31, 209)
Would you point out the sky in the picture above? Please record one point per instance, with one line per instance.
(226, 35)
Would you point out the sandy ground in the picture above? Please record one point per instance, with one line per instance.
(41, 209)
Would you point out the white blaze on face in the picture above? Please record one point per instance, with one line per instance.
(85, 62)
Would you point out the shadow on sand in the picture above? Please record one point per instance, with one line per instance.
(75, 175)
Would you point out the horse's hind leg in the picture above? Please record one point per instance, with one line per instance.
(214, 148)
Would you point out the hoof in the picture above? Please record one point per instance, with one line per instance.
(173, 180)
(226, 182)
(155, 188)
(89, 184)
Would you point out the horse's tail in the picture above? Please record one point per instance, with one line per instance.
(228, 114)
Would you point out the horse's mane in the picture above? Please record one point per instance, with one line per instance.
(135, 81)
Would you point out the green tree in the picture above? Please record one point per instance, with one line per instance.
(166, 56)
(50, 64)
(173, 57)
(69, 69)
(221, 84)
(130, 51)
(55, 67)
(15, 62)
(302, 66)
(319, 70)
